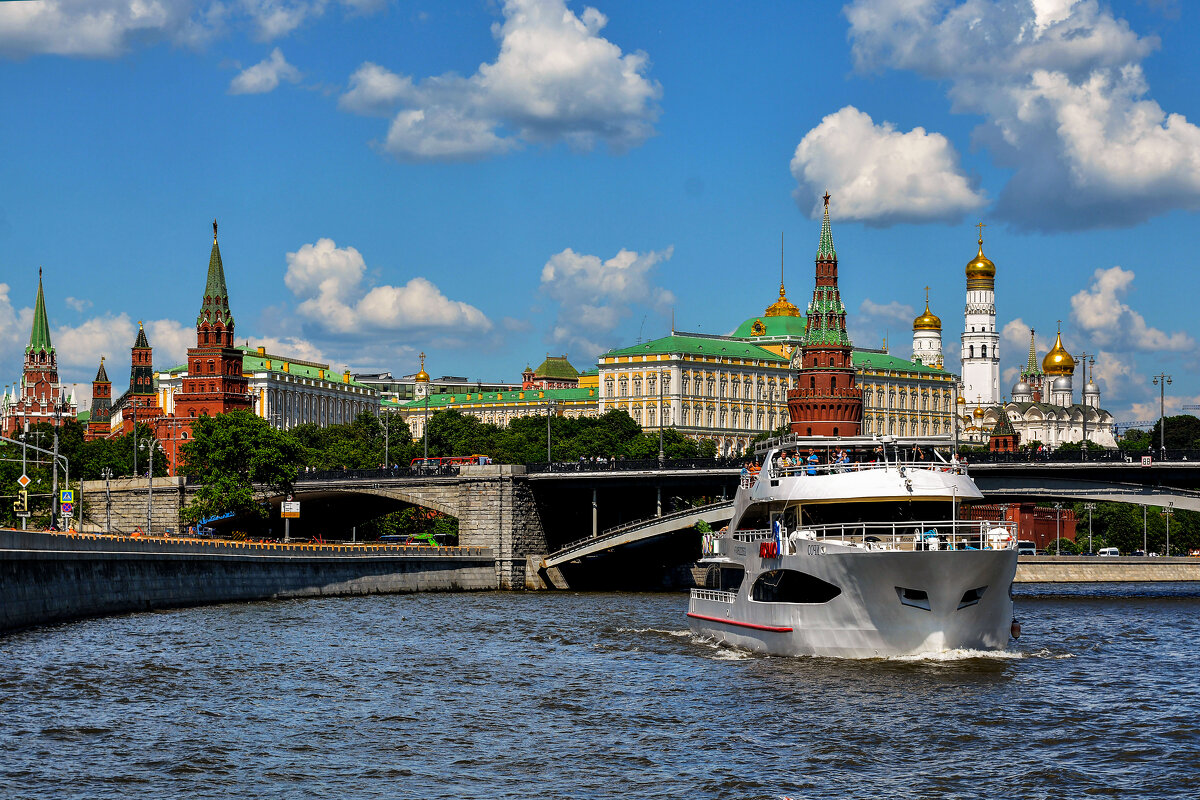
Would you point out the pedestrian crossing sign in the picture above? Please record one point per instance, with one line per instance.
(66, 496)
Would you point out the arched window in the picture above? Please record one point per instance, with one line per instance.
(983, 350)
(970, 351)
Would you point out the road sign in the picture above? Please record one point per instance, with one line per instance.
(24, 481)
(66, 496)
(66, 509)
(290, 510)
(1146, 461)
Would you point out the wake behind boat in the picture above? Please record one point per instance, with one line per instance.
(856, 555)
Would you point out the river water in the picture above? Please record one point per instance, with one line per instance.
(563, 695)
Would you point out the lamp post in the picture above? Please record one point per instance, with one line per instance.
(549, 414)
(1090, 508)
(149, 444)
(1145, 533)
(1167, 512)
(425, 429)
(1161, 381)
(106, 473)
(135, 441)
(661, 454)
(379, 418)
(1058, 529)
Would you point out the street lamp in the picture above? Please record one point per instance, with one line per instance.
(549, 414)
(1058, 529)
(1090, 508)
(661, 454)
(150, 444)
(382, 424)
(1167, 512)
(1161, 381)
(106, 473)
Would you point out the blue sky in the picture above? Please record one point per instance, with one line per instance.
(490, 181)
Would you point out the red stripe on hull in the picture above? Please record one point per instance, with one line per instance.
(771, 628)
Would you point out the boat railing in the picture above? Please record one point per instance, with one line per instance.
(714, 594)
(800, 470)
(909, 535)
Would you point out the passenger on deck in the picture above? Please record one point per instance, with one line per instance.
(812, 462)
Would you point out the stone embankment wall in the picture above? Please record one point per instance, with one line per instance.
(130, 500)
(1096, 569)
(47, 578)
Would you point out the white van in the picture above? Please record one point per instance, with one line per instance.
(1108, 551)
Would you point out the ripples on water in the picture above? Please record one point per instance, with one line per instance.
(593, 696)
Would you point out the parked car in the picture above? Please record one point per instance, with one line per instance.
(1026, 548)
(1108, 551)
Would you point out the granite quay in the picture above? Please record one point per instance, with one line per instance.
(56, 577)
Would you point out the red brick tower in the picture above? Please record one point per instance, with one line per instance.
(214, 383)
(826, 401)
(41, 398)
(99, 421)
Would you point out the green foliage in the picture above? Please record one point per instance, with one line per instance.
(1120, 525)
(230, 453)
(412, 521)
(614, 434)
(1135, 441)
(703, 527)
(1064, 547)
(1183, 432)
(359, 444)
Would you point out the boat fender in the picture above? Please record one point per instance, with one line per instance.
(1015, 629)
(775, 549)
(762, 549)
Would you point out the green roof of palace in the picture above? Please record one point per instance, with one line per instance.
(589, 372)
(39, 334)
(83, 416)
(883, 361)
(556, 367)
(531, 397)
(698, 345)
(252, 361)
(792, 327)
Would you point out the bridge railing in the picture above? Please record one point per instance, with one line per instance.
(383, 473)
(632, 464)
(1093, 456)
(641, 523)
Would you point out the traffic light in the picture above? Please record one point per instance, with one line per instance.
(22, 504)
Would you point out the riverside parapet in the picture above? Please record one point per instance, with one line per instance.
(47, 577)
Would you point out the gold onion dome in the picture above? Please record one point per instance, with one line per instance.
(927, 321)
(422, 376)
(1058, 361)
(978, 413)
(781, 307)
(981, 272)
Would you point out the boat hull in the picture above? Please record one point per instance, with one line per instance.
(879, 612)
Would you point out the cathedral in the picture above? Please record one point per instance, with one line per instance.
(1042, 407)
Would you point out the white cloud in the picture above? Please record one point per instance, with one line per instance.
(375, 90)
(328, 281)
(1063, 96)
(879, 175)
(895, 310)
(79, 304)
(595, 295)
(292, 347)
(109, 28)
(554, 79)
(265, 75)
(1100, 311)
(14, 324)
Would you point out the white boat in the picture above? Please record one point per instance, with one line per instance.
(857, 557)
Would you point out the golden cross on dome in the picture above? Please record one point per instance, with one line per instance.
(981, 226)
(1060, 326)
(422, 361)
(926, 295)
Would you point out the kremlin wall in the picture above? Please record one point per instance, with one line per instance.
(783, 367)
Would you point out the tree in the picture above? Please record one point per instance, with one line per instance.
(1183, 432)
(1134, 441)
(232, 453)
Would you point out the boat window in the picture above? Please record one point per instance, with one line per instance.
(917, 598)
(724, 578)
(971, 597)
(790, 586)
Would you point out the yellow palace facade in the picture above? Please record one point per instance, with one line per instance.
(732, 388)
